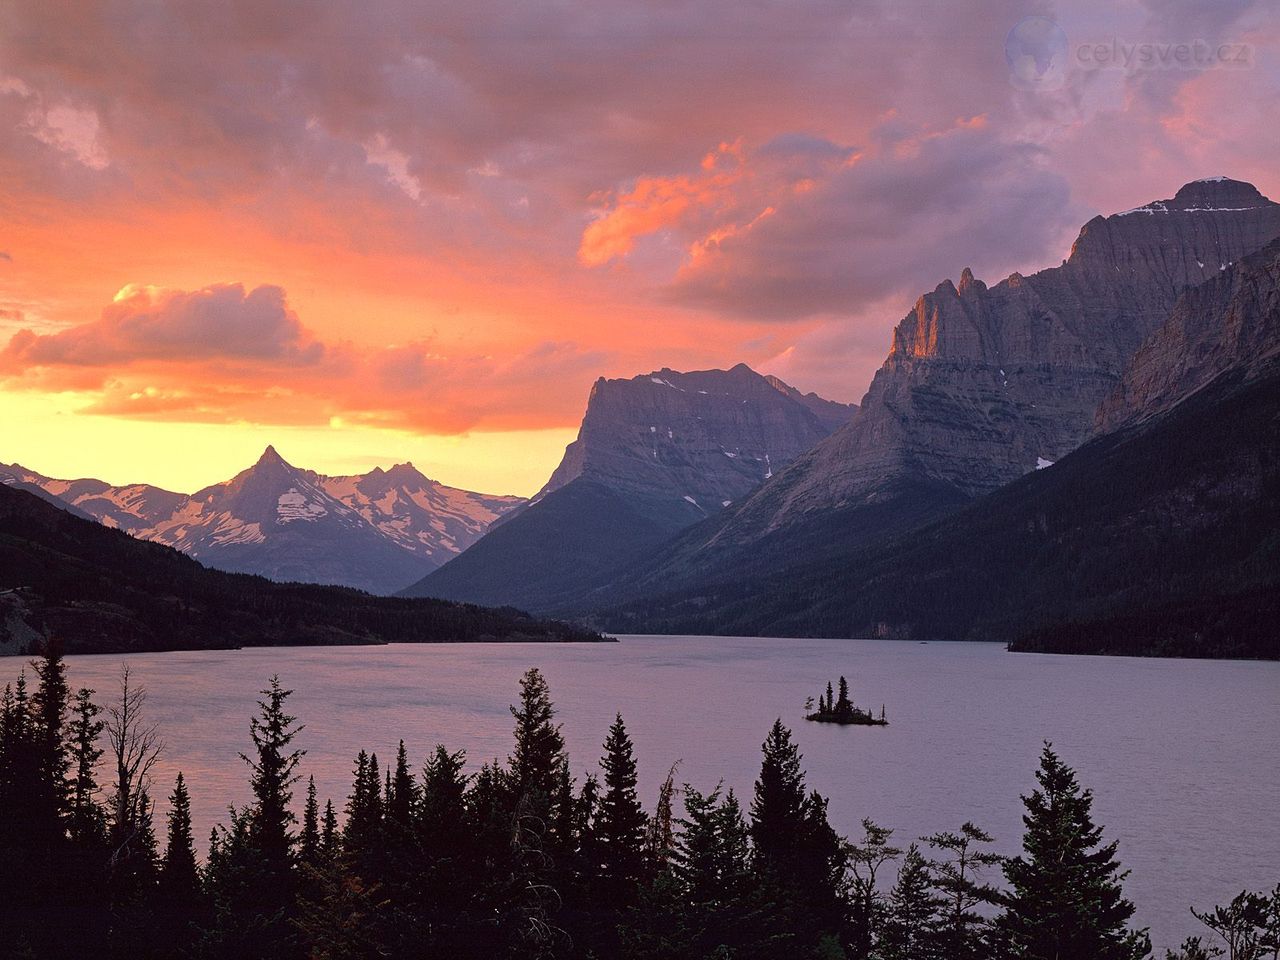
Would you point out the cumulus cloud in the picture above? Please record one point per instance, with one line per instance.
(223, 354)
(149, 323)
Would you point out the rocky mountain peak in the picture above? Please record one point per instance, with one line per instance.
(270, 457)
(982, 385)
(1230, 323)
(969, 285)
(1218, 193)
(698, 439)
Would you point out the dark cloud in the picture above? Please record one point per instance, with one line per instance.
(914, 211)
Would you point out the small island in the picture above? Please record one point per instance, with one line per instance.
(840, 709)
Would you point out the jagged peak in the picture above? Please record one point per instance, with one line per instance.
(406, 470)
(968, 282)
(270, 457)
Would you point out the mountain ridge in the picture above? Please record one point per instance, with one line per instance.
(378, 531)
(99, 590)
(982, 385)
(655, 453)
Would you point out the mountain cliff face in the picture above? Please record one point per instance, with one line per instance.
(1230, 322)
(982, 385)
(1158, 537)
(700, 440)
(378, 531)
(655, 454)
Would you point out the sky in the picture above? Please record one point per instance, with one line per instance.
(371, 232)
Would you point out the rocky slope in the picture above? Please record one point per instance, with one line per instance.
(655, 454)
(100, 591)
(378, 531)
(1231, 321)
(981, 386)
(1159, 537)
(700, 439)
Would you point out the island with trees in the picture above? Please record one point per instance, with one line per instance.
(838, 708)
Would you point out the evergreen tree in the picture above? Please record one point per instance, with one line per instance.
(443, 807)
(867, 858)
(620, 820)
(309, 839)
(794, 846)
(957, 876)
(179, 874)
(329, 833)
(273, 775)
(1065, 897)
(362, 834)
(539, 755)
(844, 706)
(911, 924)
(256, 865)
(88, 821)
(402, 796)
(778, 808)
(51, 789)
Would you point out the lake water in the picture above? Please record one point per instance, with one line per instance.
(1183, 756)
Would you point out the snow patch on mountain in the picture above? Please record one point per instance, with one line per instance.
(293, 505)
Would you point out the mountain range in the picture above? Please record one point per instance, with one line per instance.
(982, 385)
(1161, 535)
(98, 590)
(1086, 458)
(655, 454)
(378, 531)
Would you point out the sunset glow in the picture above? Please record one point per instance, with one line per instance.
(221, 227)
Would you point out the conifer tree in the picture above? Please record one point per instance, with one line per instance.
(620, 820)
(51, 790)
(778, 807)
(1066, 897)
(442, 806)
(362, 834)
(179, 898)
(844, 706)
(273, 775)
(402, 796)
(957, 876)
(868, 858)
(539, 755)
(179, 874)
(87, 818)
(329, 833)
(309, 839)
(911, 923)
(259, 856)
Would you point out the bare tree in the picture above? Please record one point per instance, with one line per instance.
(135, 747)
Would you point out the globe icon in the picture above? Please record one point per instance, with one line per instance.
(1036, 51)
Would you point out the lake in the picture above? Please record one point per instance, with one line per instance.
(1182, 755)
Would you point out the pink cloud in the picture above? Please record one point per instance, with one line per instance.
(147, 323)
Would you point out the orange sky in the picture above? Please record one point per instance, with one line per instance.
(421, 232)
